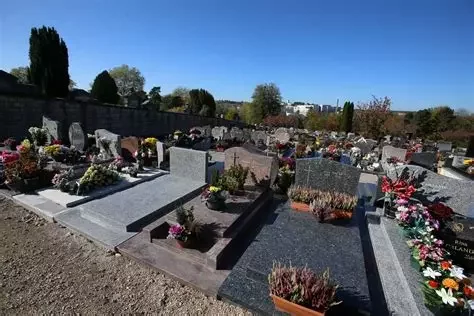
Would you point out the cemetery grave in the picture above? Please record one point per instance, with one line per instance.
(238, 228)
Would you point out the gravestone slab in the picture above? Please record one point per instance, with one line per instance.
(457, 194)
(108, 143)
(282, 135)
(237, 134)
(458, 161)
(424, 159)
(390, 151)
(258, 135)
(298, 238)
(203, 145)
(77, 138)
(350, 136)
(129, 148)
(53, 129)
(247, 134)
(365, 145)
(218, 132)
(160, 152)
(327, 175)
(263, 169)
(189, 163)
(459, 241)
(445, 146)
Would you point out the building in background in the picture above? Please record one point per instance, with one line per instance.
(303, 108)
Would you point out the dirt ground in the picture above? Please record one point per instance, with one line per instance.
(46, 269)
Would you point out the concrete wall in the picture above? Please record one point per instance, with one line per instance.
(18, 113)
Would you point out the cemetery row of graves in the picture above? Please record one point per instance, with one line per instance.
(302, 222)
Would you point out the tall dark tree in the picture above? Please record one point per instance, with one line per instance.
(49, 62)
(347, 117)
(155, 97)
(198, 98)
(104, 88)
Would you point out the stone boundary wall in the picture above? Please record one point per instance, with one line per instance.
(18, 113)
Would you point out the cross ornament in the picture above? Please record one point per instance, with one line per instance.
(235, 158)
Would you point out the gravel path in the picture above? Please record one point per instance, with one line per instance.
(46, 269)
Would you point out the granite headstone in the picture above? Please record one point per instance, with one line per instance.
(189, 163)
(108, 143)
(237, 134)
(425, 159)
(282, 135)
(458, 239)
(327, 175)
(53, 129)
(445, 146)
(160, 152)
(263, 169)
(129, 148)
(390, 151)
(77, 137)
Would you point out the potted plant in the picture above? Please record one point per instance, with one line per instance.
(233, 179)
(22, 173)
(299, 291)
(300, 198)
(10, 143)
(38, 135)
(181, 234)
(56, 152)
(214, 198)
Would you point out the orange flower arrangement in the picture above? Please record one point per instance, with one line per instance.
(445, 265)
(450, 284)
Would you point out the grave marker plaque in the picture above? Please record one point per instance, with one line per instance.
(424, 159)
(76, 136)
(390, 151)
(327, 175)
(459, 241)
(108, 143)
(263, 169)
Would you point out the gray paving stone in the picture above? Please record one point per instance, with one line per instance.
(39, 205)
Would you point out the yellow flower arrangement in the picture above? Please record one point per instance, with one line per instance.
(150, 142)
(450, 284)
(214, 189)
(468, 162)
(52, 150)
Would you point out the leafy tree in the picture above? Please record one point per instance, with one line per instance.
(166, 102)
(424, 123)
(394, 125)
(282, 120)
(371, 116)
(21, 73)
(198, 98)
(183, 93)
(177, 102)
(72, 84)
(250, 113)
(49, 62)
(443, 117)
(128, 79)
(155, 97)
(347, 117)
(104, 88)
(232, 114)
(266, 99)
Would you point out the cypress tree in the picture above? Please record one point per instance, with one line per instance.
(198, 98)
(104, 88)
(49, 62)
(347, 116)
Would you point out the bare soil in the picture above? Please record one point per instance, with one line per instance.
(46, 269)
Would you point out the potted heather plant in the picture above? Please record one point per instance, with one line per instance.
(332, 205)
(233, 179)
(299, 291)
(187, 231)
(300, 198)
(181, 234)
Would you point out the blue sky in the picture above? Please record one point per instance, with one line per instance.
(418, 52)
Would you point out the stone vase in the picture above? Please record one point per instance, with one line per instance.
(292, 308)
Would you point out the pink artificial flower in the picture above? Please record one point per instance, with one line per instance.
(401, 201)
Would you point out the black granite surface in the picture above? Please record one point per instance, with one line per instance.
(327, 175)
(296, 237)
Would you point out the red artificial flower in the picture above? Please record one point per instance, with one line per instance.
(56, 142)
(441, 211)
(445, 265)
(331, 149)
(468, 291)
(433, 284)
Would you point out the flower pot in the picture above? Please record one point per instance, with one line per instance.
(300, 207)
(184, 244)
(24, 185)
(292, 308)
(215, 205)
(342, 214)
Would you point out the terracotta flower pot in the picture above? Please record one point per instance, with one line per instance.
(292, 308)
(184, 244)
(300, 207)
(342, 214)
